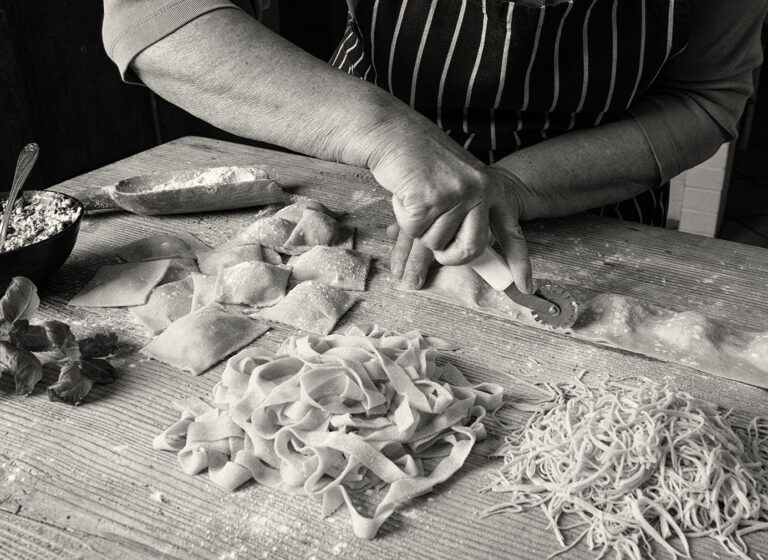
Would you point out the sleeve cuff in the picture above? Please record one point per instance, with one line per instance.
(126, 35)
(673, 127)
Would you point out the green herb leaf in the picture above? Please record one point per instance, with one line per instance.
(63, 342)
(29, 337)
(72, 386)
(99, 371)
(98, 346)
(19, 302)
(23, 365)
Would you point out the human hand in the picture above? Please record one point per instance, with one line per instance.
(444, 201)
(410, 259)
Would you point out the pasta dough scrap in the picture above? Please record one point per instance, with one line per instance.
(314, 228)
(337, 267)
(311, 306)
(162, 246)
(120, 285)
(201, 339)
(211, 262)
(336, 416)
(252, 283)
(166, 303)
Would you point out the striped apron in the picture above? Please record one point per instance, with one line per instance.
(498, 76)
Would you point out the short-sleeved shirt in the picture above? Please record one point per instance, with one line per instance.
(709, 81)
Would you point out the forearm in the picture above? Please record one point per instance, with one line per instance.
(582, 169)
(231, 71)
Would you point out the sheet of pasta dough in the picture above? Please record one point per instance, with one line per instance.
(684, 337)
(120, 285)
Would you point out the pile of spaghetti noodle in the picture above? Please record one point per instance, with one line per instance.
(636, 463)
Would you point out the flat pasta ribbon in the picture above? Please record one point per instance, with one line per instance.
(331, 417)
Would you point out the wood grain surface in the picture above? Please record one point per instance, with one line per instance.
(84, 482)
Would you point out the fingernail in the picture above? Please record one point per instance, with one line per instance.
(528, 286)
(396, 270)
(412, 280)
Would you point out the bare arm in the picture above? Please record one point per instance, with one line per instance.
(228, 69)
(231, 71)
(581, 170)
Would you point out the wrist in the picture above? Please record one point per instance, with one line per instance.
(518, 193)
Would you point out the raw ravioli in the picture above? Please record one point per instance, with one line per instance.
(120, 285)
(162, 246)
(201, 339)
(166, 303)
(270, 256)
(252, 283)
(337, 416)
(203, 291)
(334, 266)
(268, 231)
(311, 306)
(314, 228)
(211, 262)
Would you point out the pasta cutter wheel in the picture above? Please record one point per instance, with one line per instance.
(550, 304)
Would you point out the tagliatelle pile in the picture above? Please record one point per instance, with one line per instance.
(334, 416)
(637, 463)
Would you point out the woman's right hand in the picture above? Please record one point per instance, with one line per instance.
(445, 201)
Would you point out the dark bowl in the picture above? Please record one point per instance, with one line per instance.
(39, 261)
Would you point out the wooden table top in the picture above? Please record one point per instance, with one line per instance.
(85, 482)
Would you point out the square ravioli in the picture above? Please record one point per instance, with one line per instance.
(201, 339)
(311, 306)
(166, 303)
(267, 231)
(314, 228)
(334, 266)
(252, 283)
(120, 285)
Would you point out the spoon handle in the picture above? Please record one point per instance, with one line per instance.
(27, 159)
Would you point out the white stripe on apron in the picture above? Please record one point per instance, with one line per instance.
(527, 84)
(473, 76)
(394, 43)
(373, 48)
(614, 57)
(642, 55)
(556, 62)
(448, 63)
(585, 51)
(502, 75)
(421, 51)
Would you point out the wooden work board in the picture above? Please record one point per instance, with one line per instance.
(85, 482)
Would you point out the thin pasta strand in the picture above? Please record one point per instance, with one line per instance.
(639, 463)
